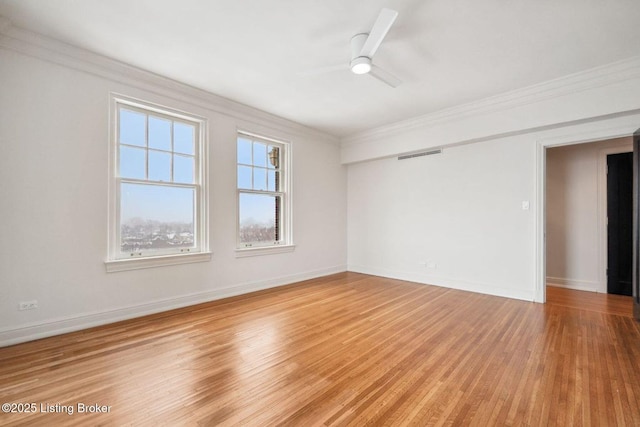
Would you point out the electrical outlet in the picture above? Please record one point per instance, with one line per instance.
(28, 305)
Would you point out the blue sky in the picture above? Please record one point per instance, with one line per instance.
(150, 202)
(172, 204)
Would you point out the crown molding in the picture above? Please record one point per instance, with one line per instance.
(45, 48)
(589, 79)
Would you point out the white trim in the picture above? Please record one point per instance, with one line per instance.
(145, 106)
(266, 250)
(116, 261)
(115, 265)
(446, 282)
(595, 134)
(286, 243)
(575, 284)
(42, 47)
(33, 331)
(540, 226)
(263, 138)
(288, 194)
(595, 131)
(603, 262)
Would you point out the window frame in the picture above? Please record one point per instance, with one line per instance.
(116, 260)
(285, 244)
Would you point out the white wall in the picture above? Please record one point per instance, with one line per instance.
(576, 213)
(459, 212)
(53, 192)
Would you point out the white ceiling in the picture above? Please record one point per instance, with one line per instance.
(257, 52)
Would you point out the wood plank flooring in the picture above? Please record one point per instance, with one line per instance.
(347, 349)
(601, 303)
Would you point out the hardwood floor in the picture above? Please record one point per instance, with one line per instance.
(591, 301)
(348, 349)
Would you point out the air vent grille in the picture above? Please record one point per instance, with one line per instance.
(423, 153)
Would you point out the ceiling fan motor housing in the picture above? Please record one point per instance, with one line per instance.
(359, 64)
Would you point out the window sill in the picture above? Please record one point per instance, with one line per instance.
(113, 266)
(269, 250)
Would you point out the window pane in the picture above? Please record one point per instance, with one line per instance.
(271, 181)
(259, 179)
(159, 133)
(132, 162)
(156, 217)
(183, 169)
(244, 151)
(183, 138)
(257, 218)
(159, 166)
(244, 177)
(259, 154)
(132, 128)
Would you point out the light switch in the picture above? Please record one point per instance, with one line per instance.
(525, 205)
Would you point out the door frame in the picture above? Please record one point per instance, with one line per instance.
(596, 131)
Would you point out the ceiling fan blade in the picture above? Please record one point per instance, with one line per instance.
(385, 76)
(378, 32)
(323, 70)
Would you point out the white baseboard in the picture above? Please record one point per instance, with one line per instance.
(441, 281)
(30, 332)
(575, 284)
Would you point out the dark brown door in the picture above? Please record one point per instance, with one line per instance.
(636, 224)
(620, 223)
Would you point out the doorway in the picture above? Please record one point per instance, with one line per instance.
(626, 128)
(619, 223)
(583, 251)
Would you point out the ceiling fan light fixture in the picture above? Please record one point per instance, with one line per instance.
(364, 46)
(361, 65)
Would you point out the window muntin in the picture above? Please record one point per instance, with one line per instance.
(262, 192)
(159, 192)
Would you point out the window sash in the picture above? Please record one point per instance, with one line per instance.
(197, 245)
(148, 113)
(278, 220)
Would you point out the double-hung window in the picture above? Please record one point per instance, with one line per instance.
(158, 195)
(264, 219)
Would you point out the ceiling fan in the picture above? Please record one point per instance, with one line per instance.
(365, 45)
